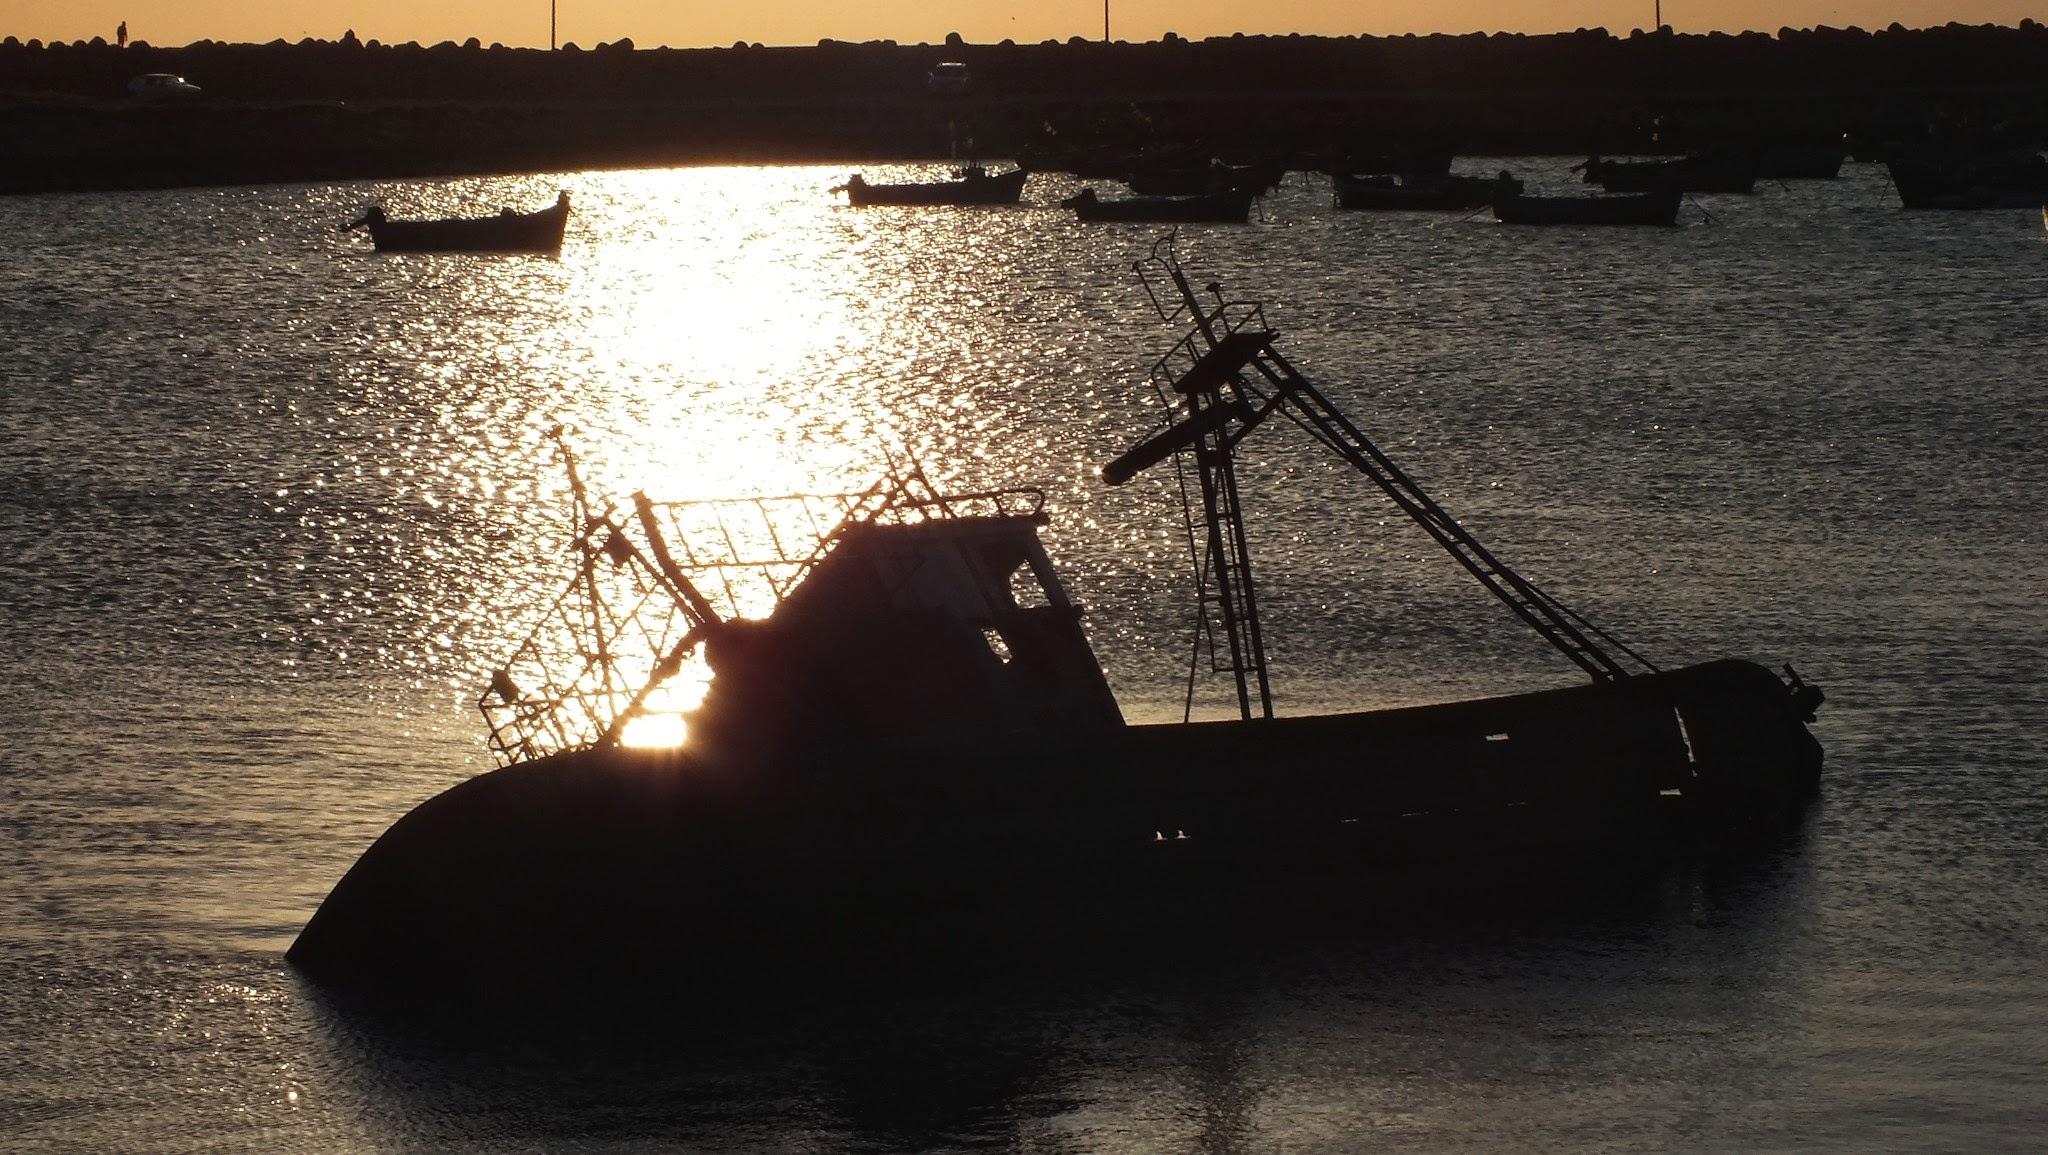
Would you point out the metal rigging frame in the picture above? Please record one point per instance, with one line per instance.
(1228, 378)
(651, 585)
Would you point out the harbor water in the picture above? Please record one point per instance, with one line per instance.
(272, 507)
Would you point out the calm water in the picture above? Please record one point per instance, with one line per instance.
(270, 507)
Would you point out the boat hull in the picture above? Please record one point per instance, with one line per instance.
(1423, 194)
(1970, 183)
(1205, 179)
(999, 189)
(1657, 208)
(1222, 208)
(537, 232)
(629, 860)
(1686, 175)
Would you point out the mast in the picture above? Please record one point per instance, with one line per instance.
(1212, 356)
(1230, 379)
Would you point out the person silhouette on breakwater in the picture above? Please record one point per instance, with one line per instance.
(121, 35)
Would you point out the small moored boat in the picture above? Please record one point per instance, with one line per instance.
(1410, 162)
(1449, 193)
(1207, 176)
(1994, 181)
(508, 232)
(1651, 208)
(1716, 173)
(973, 185)
(1229, 207)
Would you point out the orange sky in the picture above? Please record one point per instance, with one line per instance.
(654, 22)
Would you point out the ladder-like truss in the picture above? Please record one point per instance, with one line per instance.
(650, 585)
(1222, 380)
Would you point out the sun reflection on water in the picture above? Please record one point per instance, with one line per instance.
(712, 309)
(706, 334)
(679, 335)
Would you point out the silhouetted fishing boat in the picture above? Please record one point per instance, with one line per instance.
(1232, 207)
(905, 727)
(1204, 177)
(972, 185)
(2014, 180)
(1652, 208)
(1719, 173)
(508, 232)
(1421, 193)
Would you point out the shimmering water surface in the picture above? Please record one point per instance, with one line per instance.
(271, 506)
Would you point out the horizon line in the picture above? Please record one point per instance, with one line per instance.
(954, 40)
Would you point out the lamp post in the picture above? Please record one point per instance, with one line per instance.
(551, 25)
(1105, 21)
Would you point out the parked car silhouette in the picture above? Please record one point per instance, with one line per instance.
(948, 79)
(161, 84)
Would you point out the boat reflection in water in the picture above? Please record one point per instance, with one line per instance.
(916, 733)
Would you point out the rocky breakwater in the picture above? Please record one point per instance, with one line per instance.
(330, 110)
